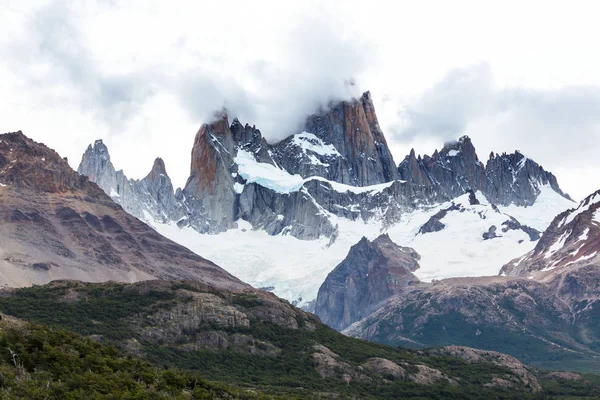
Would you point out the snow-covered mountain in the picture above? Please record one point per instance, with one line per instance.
(572, 238)
(542, 307)
(283, 215)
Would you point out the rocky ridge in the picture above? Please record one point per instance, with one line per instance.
(339, 166)
(58, 224)
(572, 238)
(505, 179)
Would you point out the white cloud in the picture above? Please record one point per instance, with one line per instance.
(143, 75)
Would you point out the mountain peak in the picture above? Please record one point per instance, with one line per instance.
(159, 166)
(353, 129)
(32, 166)
(372, 272)
(158, 169)
(572, 238)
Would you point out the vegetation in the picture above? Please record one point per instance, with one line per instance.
(117, 314)
(41, 363)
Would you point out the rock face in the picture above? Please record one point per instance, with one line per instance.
(371, 273)
(56, 224)
(355, 152)
(152, 195)
(209, 192)
(505, 179)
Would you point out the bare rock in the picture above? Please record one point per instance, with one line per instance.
(384, 367)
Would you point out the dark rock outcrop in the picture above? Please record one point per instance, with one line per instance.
(370, 274)
(491, 233)
(435, 224)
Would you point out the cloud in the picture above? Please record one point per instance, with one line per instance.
(317, 66)
(313, 66)
(53, 56)
(446, 109)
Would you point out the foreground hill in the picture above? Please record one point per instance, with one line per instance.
(256, 341)
(37, 362)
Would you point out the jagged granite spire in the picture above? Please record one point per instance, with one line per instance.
(153, 194)
(505, 179)
(343, 143)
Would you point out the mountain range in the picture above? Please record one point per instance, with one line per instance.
(187, 318)
(257, 208)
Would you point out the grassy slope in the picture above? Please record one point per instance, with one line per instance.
(108, 311)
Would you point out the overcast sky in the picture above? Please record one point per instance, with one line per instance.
(144, 75)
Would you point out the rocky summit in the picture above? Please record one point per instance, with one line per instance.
(505, 179)
(371, 273)
(339, 166)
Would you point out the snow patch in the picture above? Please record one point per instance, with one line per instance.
(281, 181)
(453, 153)
(341, 188)
(266, 175)
(113, 193)
(584, 235)
(238, 188)
(582, 258)
(557, 245)
(310, 142)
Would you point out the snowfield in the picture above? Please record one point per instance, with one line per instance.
(296, 268)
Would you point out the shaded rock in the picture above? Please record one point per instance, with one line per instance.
(371, 273)
(491, 233)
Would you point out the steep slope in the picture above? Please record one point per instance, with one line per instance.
(58, 224)
(571, 239)
(372, 272)
(343, 144)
